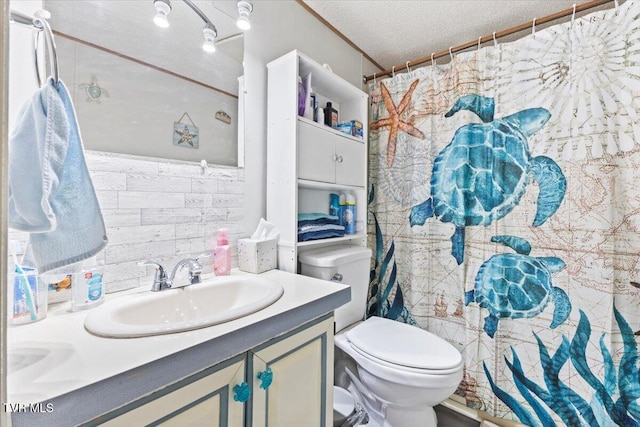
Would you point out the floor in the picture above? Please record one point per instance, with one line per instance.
(449, 418)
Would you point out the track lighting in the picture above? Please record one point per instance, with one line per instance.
(244, 10)
(163, 7)
(209, 32)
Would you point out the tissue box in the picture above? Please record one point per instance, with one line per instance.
(257, 256)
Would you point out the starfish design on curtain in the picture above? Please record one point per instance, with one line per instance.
(394, 121)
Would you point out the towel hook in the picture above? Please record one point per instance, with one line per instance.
(495, 42)
(406, 64)
(374, 78)
(573, 15)
(615, 2)
(41, 24)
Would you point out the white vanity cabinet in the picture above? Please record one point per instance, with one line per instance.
(297, 393)
(307, 161)
(204, 399)
(236, 392)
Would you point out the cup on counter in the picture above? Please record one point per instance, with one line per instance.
(27, 297)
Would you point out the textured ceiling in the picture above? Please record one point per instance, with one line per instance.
(396, 31)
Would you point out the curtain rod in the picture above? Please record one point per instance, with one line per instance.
(503, 33)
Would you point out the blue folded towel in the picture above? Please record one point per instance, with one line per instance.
(50, 191)
(324, 231)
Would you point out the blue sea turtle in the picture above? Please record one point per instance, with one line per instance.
(480, 176)
(518, 285)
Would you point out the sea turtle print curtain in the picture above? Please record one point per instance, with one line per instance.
(504, 214)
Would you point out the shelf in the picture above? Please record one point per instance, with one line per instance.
(320, 185)
(330, 129)
(328, 83)
(346, 238)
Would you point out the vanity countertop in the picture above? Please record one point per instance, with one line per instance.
(57, 361)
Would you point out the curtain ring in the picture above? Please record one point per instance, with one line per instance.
(406, 64)
(573, 15)
(433, 61)
(393, 71)
(533, 28)
(479, 42)
(616, 3)
(495, 42)
(374, 78)
(451, 53)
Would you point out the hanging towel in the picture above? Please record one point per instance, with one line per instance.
(50, 191)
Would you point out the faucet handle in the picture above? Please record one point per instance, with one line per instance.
(204, 255)
(160, 280)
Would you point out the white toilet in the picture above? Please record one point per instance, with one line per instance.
(406, 369)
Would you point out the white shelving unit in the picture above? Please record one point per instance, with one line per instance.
(307, 161)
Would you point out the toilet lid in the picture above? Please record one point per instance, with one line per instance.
(403, 345)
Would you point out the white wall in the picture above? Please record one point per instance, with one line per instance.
(279, 27)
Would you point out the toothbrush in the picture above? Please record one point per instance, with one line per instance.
(24, 282)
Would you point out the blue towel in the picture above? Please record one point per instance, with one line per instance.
(314, 232)
(51, 195)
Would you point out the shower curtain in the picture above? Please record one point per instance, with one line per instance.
(504, 214)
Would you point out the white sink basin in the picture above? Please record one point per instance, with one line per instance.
(213, 301)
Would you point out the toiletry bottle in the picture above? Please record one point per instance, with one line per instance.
(314, 106)
(87, 289)
(350, 215)
(331, 116)
(334, 204)
(222, 254)
(342, 201)
(320, 116)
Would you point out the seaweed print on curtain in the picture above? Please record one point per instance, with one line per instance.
(505, 217)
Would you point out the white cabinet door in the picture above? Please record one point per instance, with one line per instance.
(301, 390)
(351, 162)
(198, 401)
(316, 153)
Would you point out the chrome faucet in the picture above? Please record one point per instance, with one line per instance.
(162, 282)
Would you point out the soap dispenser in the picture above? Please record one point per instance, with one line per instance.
(222, 254)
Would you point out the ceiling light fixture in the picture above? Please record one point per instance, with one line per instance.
(163, 7)
(209, 32)
(244, 10)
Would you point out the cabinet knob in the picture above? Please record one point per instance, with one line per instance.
(339, 159)
(266, 378)
(241, 392)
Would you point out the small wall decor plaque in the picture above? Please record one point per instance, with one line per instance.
(93, 91)
(185, 135)
(223, 117)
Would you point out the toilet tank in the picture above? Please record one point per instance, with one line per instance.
(348, 265)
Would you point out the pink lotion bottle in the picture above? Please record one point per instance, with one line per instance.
(222, 254)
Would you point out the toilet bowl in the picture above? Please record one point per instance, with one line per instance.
(405, 369)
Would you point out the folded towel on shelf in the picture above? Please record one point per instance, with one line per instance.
(317, 218)
(51, 195)
(323, 231)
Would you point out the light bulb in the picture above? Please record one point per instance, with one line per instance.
(244, 10)
(209, 32)
(243, 23)
(163, 7)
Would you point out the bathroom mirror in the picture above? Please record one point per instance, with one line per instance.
(144, 90)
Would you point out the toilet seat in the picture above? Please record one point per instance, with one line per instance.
(404, 347)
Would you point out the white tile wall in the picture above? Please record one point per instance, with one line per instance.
(161, 210)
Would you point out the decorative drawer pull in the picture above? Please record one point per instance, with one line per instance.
(266, 378)
(241, 392)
